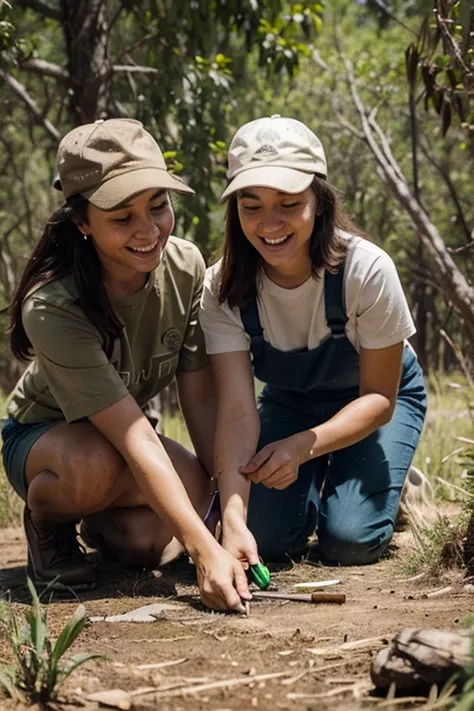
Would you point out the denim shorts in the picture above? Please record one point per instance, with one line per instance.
(18, 440)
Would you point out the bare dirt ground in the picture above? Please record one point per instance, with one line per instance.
(265, 661)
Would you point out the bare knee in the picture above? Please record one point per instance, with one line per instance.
(91, 472)
(80, 483)
(140, 554)
(143, 538)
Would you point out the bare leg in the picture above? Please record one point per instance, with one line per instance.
(136, 536)
(74, 472)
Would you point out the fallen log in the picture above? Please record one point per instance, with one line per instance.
(419, 658)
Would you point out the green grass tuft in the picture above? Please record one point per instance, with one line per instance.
(440, 549)
(39, 669)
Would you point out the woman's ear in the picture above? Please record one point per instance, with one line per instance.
(82, 225)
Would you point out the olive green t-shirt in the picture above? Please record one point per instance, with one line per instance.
(71, 377)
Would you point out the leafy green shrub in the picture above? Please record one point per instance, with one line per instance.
(39, 670)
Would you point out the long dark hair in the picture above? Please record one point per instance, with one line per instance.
(62, 251)
(242, 264)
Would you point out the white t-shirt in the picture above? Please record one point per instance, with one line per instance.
(377, 310)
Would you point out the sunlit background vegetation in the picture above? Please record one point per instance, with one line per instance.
(386, 84)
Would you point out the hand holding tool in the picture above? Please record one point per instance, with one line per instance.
(260, 575)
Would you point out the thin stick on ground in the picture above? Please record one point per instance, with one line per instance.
(169, 692)
(313, 670)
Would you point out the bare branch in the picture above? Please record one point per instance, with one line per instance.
(115, 18)
(9, 271)
(120, 109)
(26, 200)
(459, 357)
(461, 250)
(386, 10)
(20, 90)
(41, 8)
(455, 284)
(317, 59)
(134, 68)
(350, 127)
(13, 227)
(132, 83)
(443, 25)
(452, 191)
(143, 40)
(47, 69)
(386, 146)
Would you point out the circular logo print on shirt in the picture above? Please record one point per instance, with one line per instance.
(171, 338)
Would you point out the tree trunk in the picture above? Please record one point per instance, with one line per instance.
(421, 321)
(453, 284)
(85, 30)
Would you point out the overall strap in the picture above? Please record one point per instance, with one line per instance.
(253, 327)
(334, 300)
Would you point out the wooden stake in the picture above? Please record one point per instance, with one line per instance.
(337, 598)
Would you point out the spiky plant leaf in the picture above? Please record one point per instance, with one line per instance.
(36, 617)
(69, 634)
(8, 619)
(466, 703)
(8, 681)
(76, 661)
(39, 671)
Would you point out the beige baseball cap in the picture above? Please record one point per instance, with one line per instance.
(274, 152)
(110, 160)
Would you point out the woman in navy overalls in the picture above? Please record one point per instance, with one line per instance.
(303, 303)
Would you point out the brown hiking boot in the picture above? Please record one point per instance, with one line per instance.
(54, 554)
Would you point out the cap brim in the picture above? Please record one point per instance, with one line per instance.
(287, 180)
(116, 190)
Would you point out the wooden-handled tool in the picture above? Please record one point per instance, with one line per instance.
(337, 598)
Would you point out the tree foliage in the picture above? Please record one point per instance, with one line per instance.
(174, 66)
(435, 170)
(444, 54)
(194, 71)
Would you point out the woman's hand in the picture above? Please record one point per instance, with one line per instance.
(277, 464)
(237, 539)
(222, 580)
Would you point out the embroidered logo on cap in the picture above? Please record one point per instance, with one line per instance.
(266, 149)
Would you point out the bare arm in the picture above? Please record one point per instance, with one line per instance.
(236, 438)
(222, 582)
(277, 464)
(198, 404)
(380, 372)
(237, 428)
(129, 431)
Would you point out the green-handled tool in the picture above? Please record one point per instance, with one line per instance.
(260, 575)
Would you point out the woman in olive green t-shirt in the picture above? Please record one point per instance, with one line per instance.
(108, 305)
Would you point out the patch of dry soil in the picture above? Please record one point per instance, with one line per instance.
(278, 638)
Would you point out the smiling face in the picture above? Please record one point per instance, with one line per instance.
(279, 226)
(130, 239)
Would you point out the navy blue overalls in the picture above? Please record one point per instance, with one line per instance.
(355, 513)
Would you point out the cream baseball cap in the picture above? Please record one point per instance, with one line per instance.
(274, 152)
(110, 160)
